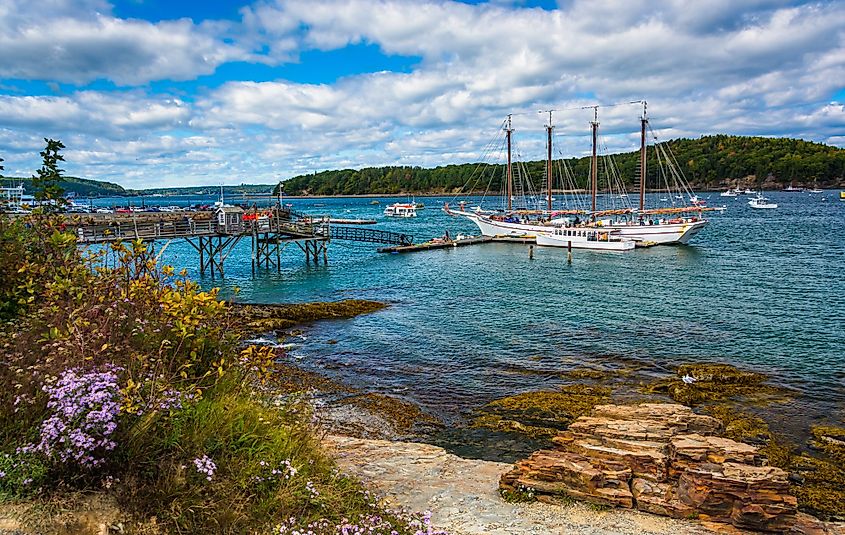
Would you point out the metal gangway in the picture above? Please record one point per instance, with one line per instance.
(367, 235)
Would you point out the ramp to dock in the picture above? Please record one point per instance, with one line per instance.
(369, 235)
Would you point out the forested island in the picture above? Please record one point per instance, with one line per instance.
(710, 162)
(82, 187)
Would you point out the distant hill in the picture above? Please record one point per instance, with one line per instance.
(709, 162)
(82, 187)
(248, 189)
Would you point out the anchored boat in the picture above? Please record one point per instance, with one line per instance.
(401, 210)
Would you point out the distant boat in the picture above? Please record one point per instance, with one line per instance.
(761, 203)
(747, 191)
(420, 206)
(729, 193)
(401, 210)
(842, 195)
(791, 189)
(816, 190)
(374, 202)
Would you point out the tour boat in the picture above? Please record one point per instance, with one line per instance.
(761, 203)
(585, 238)
(401, 210)
(667, 225)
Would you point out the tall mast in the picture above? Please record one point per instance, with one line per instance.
(508, 130)
(594, 170)
(549, 162)
(644, 121)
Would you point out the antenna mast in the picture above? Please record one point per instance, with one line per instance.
(644, 121)
(549, 128)
(594, 171)
(509, 130)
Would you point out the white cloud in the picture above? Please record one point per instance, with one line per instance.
(766, 67)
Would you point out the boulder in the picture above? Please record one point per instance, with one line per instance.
(659, 458)
(749, 497)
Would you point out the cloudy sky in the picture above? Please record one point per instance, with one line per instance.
(165, 93)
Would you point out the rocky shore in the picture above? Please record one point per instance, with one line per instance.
(464, 498)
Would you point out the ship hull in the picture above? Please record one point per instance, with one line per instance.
(581, 242)
(661, 234)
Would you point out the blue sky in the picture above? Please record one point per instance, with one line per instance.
(158, 93)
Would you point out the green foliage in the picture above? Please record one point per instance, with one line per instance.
(706, 162)
(194, 445)
(47, 178)
(21, 475)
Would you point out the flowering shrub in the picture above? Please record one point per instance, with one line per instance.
(85, 409)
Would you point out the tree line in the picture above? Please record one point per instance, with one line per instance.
(709, 162)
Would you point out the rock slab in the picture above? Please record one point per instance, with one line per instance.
(660, 458)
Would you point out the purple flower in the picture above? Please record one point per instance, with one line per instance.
(205, 465)
(85, 408)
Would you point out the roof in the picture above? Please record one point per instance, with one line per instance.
(230, 209)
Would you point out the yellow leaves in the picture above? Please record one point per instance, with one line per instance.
(105, 346)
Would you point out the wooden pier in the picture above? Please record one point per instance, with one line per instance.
(215, 238)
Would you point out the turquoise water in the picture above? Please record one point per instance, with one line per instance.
(759, 289)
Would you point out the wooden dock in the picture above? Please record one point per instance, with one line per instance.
(448, 244)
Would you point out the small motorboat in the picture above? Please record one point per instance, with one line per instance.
(761, 203)
(729, 193)
(401, 210)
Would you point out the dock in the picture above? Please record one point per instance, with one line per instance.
(342, 221)
(448, 244)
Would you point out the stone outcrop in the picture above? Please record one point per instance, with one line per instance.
(659, 458)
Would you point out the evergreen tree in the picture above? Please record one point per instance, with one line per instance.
(46, 181)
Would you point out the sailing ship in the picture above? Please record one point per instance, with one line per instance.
(666, 225)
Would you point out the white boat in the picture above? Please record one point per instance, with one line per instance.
(748, 191)
(791, 189)
(585, 238)
(729, 193)
(761, 203)
(401, 210)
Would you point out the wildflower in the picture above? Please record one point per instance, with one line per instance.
(205, 465)
(85, 409)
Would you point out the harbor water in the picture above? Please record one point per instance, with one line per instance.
(760, 289)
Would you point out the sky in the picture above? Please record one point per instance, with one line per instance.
(155, 93)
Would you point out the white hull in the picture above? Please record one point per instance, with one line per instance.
(662, 234)
(581, 241)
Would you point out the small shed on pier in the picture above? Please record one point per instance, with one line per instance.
(230, 219)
